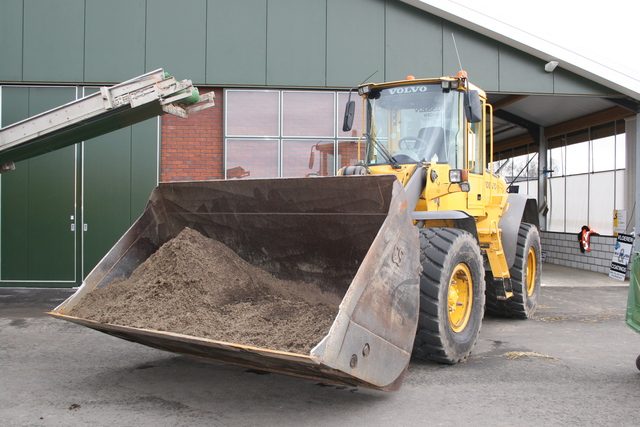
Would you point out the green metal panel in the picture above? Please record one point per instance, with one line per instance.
(236, 42)
(521, 72)
(478, 54)
(296, 42)
(14, 226)
(144, 165)
(14, 190)
(106, 194)
(38, 199)
(354, 50)
(53, 40)
(115, 40)
(51, 199)
(119, 172)
(176, 38)
(11, 40)
(38, 202)
(414, 42)
(51, 207)
(565, 82)
(15, 104)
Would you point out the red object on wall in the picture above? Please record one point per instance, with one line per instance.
(192, 149)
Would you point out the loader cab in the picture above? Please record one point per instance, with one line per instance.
(424, 121)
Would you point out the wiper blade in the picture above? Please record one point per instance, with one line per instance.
(393, 162)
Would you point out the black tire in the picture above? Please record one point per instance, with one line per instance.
(638, 362)
(448, 328)
(525, 278)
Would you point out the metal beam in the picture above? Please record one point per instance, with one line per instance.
(580, 123)
(630, 104)
(531, 127)
(507, 100)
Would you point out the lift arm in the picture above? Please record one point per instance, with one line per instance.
(150, 95)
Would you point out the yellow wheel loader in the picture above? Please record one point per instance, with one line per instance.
(478, 244)
(412, 240)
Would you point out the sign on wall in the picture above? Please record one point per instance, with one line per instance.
(621, 255)
(619, 221)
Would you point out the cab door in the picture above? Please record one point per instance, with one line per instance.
(475, 137)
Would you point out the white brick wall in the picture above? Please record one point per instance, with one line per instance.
(564, 249)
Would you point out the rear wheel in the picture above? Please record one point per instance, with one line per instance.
(525, 278)
(451, 295)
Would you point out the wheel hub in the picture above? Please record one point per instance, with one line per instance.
(531, 271)
(460, 296)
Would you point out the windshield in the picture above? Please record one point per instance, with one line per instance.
(415, 123)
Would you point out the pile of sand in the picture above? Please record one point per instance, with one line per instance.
(197, 286)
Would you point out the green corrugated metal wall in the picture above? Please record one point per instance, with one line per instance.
(38, 199)
(285, 43)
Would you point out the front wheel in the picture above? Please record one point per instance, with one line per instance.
(451, 295)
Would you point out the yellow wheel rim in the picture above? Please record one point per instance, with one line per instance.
(460, 298)
(531, 271)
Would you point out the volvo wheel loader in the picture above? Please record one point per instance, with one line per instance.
(412, 240)
(478, 243)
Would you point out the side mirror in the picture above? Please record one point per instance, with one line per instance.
(349, 112)
(472, 106)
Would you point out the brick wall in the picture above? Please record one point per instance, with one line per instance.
(192, 149)
(564, 249)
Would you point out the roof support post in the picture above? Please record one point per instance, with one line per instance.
(543, 172)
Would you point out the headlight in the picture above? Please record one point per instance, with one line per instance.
(458, 175)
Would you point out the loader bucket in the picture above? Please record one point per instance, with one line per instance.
(351, 236)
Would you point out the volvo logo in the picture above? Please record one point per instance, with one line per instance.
(408, 89)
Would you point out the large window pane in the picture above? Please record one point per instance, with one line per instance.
(621, 180)
(577, 206)
(557, 157)
(601, 196)
(252, 113)
(578, 158)
(522, 167)
(604, 151)
(348, 153)
(555, 196)
(252, 158)
(309, 114)
(532, 188)
(621, 151)
(307, 157)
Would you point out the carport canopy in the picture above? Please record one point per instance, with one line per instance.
(525, 120)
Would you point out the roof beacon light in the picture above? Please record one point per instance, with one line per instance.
(363, 90)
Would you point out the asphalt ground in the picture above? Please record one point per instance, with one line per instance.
(572, 364)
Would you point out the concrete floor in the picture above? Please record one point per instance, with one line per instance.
(559, 275)
(572, 364)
